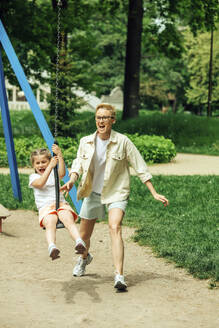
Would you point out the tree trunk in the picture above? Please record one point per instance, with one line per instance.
(133, 59)
(210, 75)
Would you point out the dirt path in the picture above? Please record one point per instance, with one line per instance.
(35, 292)
(38, 293)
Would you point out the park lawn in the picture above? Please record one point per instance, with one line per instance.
(186, 232)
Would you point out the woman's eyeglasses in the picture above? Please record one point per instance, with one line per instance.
(103, 118)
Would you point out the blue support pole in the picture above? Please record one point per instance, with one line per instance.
(8, 136)
(18, 70)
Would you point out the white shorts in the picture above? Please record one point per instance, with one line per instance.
(92, 208)
(51, 209)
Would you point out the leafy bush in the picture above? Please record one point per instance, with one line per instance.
(22, 122)
(24, 146)
(190, 133)
(154, 149)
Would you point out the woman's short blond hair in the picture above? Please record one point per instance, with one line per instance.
(40, 151)
(108, 107)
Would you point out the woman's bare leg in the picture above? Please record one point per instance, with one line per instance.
(115, 227)
(86, 230)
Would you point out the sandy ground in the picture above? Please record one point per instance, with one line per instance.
(38, 293)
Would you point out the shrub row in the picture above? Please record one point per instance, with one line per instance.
(154, 149)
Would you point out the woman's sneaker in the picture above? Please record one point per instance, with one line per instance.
(79, 269)
(120, 282)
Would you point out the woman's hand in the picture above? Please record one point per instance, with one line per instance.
(67, 187)
(161, 198)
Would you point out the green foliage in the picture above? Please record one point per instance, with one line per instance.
(62, 100)
(154, 149)
(160, 78)
(24, 124)
(94, 40)
(189, 133)
(25, 145)
(7, 199)
(197, 58)
(23, 148)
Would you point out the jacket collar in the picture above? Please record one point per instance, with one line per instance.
(112, 138)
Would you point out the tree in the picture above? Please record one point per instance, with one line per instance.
(204, 18)
(210, 74)
(133, 57)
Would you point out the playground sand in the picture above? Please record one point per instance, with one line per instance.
(37, 292)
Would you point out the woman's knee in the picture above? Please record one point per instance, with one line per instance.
(115, 228)
(86, 228)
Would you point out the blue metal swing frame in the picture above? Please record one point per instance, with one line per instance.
(39, 117)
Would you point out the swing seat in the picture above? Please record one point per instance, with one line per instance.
(59, 225)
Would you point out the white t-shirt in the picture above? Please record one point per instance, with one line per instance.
(99, 163)
(47, 194)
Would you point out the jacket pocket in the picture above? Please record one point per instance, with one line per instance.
(118, 156)
(84, 156)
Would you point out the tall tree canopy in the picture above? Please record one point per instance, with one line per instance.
(96, 44)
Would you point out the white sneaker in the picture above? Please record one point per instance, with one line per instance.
(120, 282)
(79, 269)
(80, 246)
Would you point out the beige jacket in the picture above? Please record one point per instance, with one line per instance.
(120, 153)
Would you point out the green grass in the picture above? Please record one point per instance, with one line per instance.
(186, 232)
(190, 133)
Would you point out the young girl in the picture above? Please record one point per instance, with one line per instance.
(43, 184)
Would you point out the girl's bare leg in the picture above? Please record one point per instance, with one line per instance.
(67, 219)
(49, 223)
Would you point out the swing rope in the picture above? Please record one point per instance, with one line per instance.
(56, 174)
(59, 4)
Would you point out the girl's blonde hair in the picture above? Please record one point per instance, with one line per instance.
(108, 107)
(40, 151)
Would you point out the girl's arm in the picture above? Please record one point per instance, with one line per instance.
(40, 182)
(156, 196)
(61, 170)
